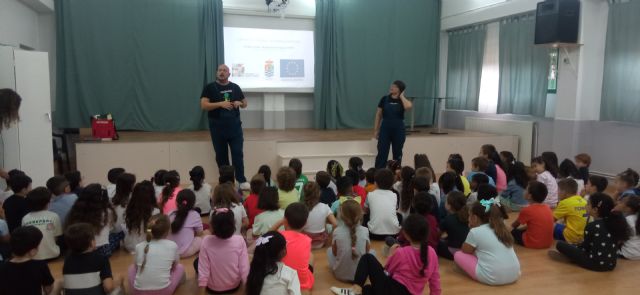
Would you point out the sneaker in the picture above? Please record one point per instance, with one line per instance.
(557, 256)
(342, 291)
(245, 186)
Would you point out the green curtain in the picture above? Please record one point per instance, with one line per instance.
(144, 61)
(362, 46)
(621, 87)
(523, 68)
(464, 67)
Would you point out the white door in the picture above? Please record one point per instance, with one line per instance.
(32, 83)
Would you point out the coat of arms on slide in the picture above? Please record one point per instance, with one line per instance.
(292, 68)
(269, 68)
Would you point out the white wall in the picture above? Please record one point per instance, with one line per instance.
(457, 13)
(32, 26)
(299, 8)
(18, 24)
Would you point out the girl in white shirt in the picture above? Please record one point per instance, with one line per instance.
(544, 175)
(157, 267)
(93, 207)
(630, 207)
(141, 207)
(124, 187)
(319, 215)
(268, 275)
(201, 189)
(225, 196)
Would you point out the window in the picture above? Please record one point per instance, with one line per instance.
(552, 87)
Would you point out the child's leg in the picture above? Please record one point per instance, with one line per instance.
(468, 263)
(443, 250)
(177, 277)
(517, 236)
(558, 230)
(575, 254)
(132, 278)
(331, 258)
(193, 248)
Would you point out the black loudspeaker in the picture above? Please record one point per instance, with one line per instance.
(557, 21)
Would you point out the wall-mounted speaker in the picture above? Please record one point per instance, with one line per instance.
(557, 21)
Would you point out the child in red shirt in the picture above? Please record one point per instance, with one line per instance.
(357, 189)
(251, 203)
(298, 244)
(537, 217)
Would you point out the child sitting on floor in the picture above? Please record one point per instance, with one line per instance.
(225, 196)
(602, 237)
(536, 218)
(46, 221)
(301, 179)
(271, 212)
(93, 207)
(625, 183)
(201, 189)
(112, 177)
(22, 275)
(478, 166)
(596, 184)
(186, 225)
(268, 275)
(456, 164)
(257, 184)
(85, 271)
(571, 211)
(299, 255)
(407, 271)
(455, 225)
(630, 207)
(157, 268)
(167, 198)
(583, 161)
(327, 195)
(287, 192)
(487, 255)
(350, 242)
(370, 178)
(513, 196)
(319, 215)
(345, 192)
(382, 221)
(542, 169)
(223, 262)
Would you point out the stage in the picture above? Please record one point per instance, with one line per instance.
(142, 153)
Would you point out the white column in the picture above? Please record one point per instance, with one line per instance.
(581, 68)
(274, 112)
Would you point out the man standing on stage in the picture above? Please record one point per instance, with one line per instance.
(222, 99)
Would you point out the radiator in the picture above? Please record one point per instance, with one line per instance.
(527, 132)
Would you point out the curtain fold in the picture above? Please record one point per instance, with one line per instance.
(464, 67)
(620, 88)
(523, 68)
(144, 61)
(361, 47)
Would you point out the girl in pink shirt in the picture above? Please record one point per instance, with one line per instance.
(489, 152)
(167, 198)
(408, 268)
(186, 225)
(223, 263)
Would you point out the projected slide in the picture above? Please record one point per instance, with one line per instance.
(269, 59)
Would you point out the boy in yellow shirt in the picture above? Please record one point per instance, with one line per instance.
(572, 211)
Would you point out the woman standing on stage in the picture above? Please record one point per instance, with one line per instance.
(389, 125)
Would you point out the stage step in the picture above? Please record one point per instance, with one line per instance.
(316, 155)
